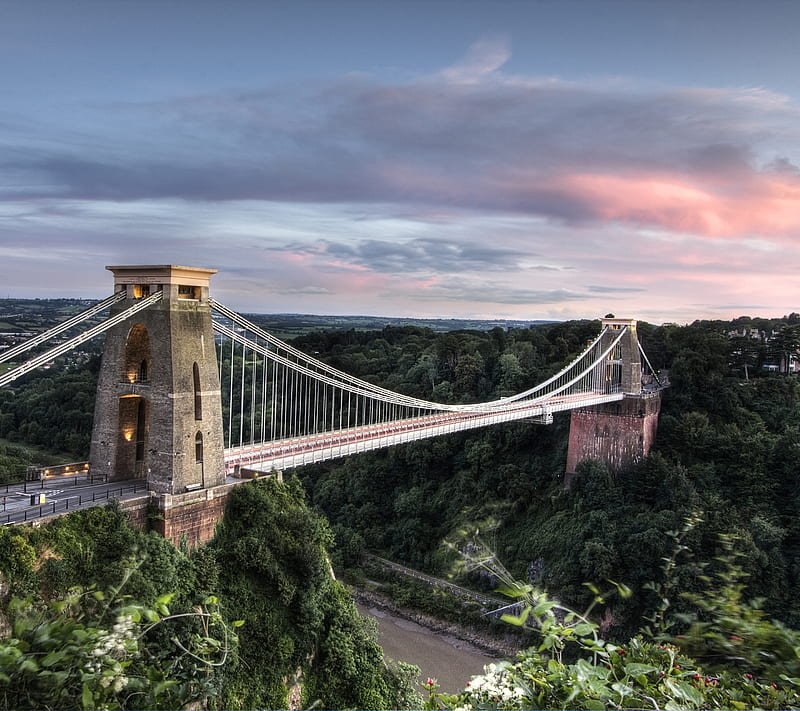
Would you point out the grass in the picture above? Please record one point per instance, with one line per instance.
(35, 455)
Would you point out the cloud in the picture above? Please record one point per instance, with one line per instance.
(474, 290)
(484, 57)
(708, 162)
(615, 289)
(306, 291)
(413, 256)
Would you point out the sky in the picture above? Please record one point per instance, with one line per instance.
(520, 159)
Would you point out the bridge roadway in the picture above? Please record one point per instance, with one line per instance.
(22, 502)
(298, 451)
(51, 496)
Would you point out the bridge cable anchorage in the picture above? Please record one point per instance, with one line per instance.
(61, 327)
(62, 348)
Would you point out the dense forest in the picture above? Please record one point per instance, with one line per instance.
(99, 615)
(726, 458)
(727, 449)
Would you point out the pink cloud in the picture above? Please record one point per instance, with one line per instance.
(767, 204)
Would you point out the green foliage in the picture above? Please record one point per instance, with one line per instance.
(638, 675)
(746, 660)
(16, 458)
(268, 568)
(274, 573)
(17, 561)
(728, 443)
(81, 652)
(727, 633)
(270, 551)
(51, 410)
(348, 669)
(98, 546)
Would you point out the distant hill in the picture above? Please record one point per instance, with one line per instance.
(291, 325)
(35, 315)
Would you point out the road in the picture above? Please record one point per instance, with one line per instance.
(35, 499)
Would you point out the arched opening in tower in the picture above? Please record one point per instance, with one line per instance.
(134, 425)
(198, 459)
(137, 362)
(198, 398)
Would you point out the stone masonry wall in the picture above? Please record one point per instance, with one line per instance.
(192, 516)
(618, 433)
(149, 364)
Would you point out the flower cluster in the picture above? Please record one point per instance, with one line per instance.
(110, 647)
(496, 688)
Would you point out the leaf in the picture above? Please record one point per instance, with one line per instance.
(237, 623)
(594, 704)
(517, 620)
(622, 590)
(55, 656)
(508, 590)
(684, 691)
(636, 669)
(29, 665)
(87, 700)
(544, 607)
(622, 689)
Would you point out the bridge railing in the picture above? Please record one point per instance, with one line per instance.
(68, 503)
(273, 392)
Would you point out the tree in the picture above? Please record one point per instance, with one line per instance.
(274, 573)
(746, 353)
(785, 344)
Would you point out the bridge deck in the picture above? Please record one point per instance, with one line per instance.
(295, 452)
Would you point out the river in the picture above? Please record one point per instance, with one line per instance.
(449, 660)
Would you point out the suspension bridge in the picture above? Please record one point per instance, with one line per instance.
(192, 393)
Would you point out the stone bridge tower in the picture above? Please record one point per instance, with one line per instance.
(158, 411)
(619, 433)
